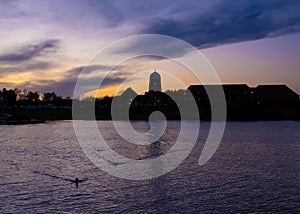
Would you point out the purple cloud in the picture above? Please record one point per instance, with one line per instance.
(30, 51)
(232, 21)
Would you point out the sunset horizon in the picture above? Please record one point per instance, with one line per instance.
(47, 52)
(149, 106)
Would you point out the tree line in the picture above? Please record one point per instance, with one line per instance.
(27, 99)
(12, 96)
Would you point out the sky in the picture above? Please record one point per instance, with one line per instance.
(44, 45)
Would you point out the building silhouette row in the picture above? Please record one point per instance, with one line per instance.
(264, 102)
(242, 102)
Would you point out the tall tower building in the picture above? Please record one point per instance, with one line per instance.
(155, 82)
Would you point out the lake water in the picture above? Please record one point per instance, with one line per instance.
(255, 169)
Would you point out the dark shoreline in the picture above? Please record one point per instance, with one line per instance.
(41, 116)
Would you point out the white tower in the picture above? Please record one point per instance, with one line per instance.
(155, 82)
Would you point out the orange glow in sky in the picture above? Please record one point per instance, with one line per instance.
(43, 46)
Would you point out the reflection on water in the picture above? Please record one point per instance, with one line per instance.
(256, 168)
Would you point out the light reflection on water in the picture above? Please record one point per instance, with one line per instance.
(256, 168)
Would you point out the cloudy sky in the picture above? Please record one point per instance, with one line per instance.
(45, 44)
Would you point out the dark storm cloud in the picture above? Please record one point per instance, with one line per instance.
(30, 51)
(232, 21)
(202, 23)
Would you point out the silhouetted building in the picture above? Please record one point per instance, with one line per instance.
(152, 100)
(155, 82)
(123, 101)
(265, 102)
(143, 105)
(275, 93)
(234, 93)
(129, 94)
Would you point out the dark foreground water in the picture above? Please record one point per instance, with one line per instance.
(256, 168)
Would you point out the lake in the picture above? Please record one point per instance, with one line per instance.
(256, 168)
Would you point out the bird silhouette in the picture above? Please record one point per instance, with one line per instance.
(76, 180)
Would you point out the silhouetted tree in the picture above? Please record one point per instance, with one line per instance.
(50, 97)
(1, 96)
(18, 93)
(9, 96)
(32, 96)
